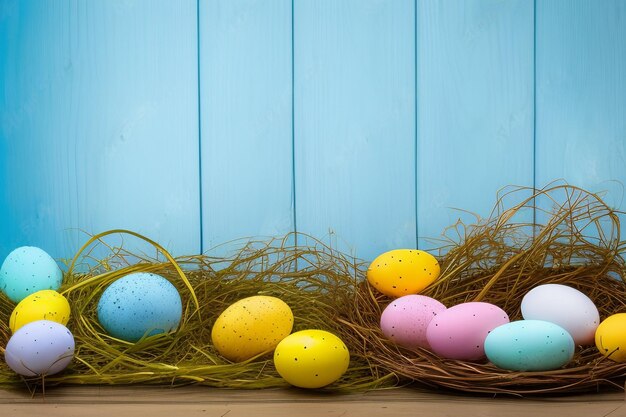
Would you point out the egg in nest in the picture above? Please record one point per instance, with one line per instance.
(251, 326)
(403, 271)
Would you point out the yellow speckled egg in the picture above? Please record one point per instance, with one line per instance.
(402, 272)
(251, 326)
(611, 337)
(311, 358)
(41, 305)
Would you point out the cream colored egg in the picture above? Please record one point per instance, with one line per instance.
(251, 326)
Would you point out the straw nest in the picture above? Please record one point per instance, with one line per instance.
(562, 234)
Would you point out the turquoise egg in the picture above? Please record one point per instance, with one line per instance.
(27, 270)
(529, 345)
(140, 304)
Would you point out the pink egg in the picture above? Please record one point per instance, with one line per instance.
(406, 319)
(460, 331)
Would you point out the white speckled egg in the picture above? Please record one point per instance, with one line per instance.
(40, 348)
(405, 320)
(565, 306)
(139, 304)
(251, 326)
(27, 270)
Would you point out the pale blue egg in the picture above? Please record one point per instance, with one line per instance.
(529, 345)
(27, 270)
(139, 304)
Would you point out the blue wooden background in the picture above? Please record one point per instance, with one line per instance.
(361, 122)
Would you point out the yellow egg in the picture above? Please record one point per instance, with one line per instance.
(251, 326)
(41, 305)
(611, 337)
(311, 358)
(402, 272)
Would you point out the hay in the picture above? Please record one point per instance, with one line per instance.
(574, 240)
(498, 261)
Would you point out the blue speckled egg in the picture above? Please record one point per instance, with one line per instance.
(529, 345)
(139, 304)
(27, 270)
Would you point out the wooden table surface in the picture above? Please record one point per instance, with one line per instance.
(191, 401)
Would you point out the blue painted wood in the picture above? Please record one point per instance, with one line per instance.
(475, 108)
(354, 123)
(245, 68)
(99, 122)
(581, 95)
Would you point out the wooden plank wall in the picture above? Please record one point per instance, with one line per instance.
(362, 122)
(99, 122)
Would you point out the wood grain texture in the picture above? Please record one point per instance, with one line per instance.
(245, 69)
(354, 123)
(201, 401)
(99, 123)
(581, 96)
(100, 129)
(475, 107)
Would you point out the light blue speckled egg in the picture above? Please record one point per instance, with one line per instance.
(529, 345)
(139, 304)
(27, 270)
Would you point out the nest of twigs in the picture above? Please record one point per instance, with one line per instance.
(562, 234)
(570, 237)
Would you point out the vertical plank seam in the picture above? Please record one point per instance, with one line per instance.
(415, 152)
(293, 130)
(534, 113)
(200, 196)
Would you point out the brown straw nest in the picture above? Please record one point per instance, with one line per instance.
(561, 234)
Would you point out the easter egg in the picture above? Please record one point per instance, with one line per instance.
(311, 358)
(405, 320)
(610, 337)
(41, 347)
(402, 272)
(460, 331)
(565, 306)
(42, 305)
(27, 270)
(529, 345)
(251, 326)
(138, 305)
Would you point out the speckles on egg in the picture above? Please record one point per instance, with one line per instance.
(311, 358)
(529, 345)
(251, 326)
(42, 305)
(405, 320)
(403, 271)
(460, 331)
(140, 304)
(40, 348)
(27, 270)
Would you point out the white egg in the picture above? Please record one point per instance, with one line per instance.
(41, 347)
(565, 306)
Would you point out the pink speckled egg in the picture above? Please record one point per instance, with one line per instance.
(460, 331)
(405, 320)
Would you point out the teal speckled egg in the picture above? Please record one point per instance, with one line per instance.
(529, 345)
(27, 270)
(139, 304)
